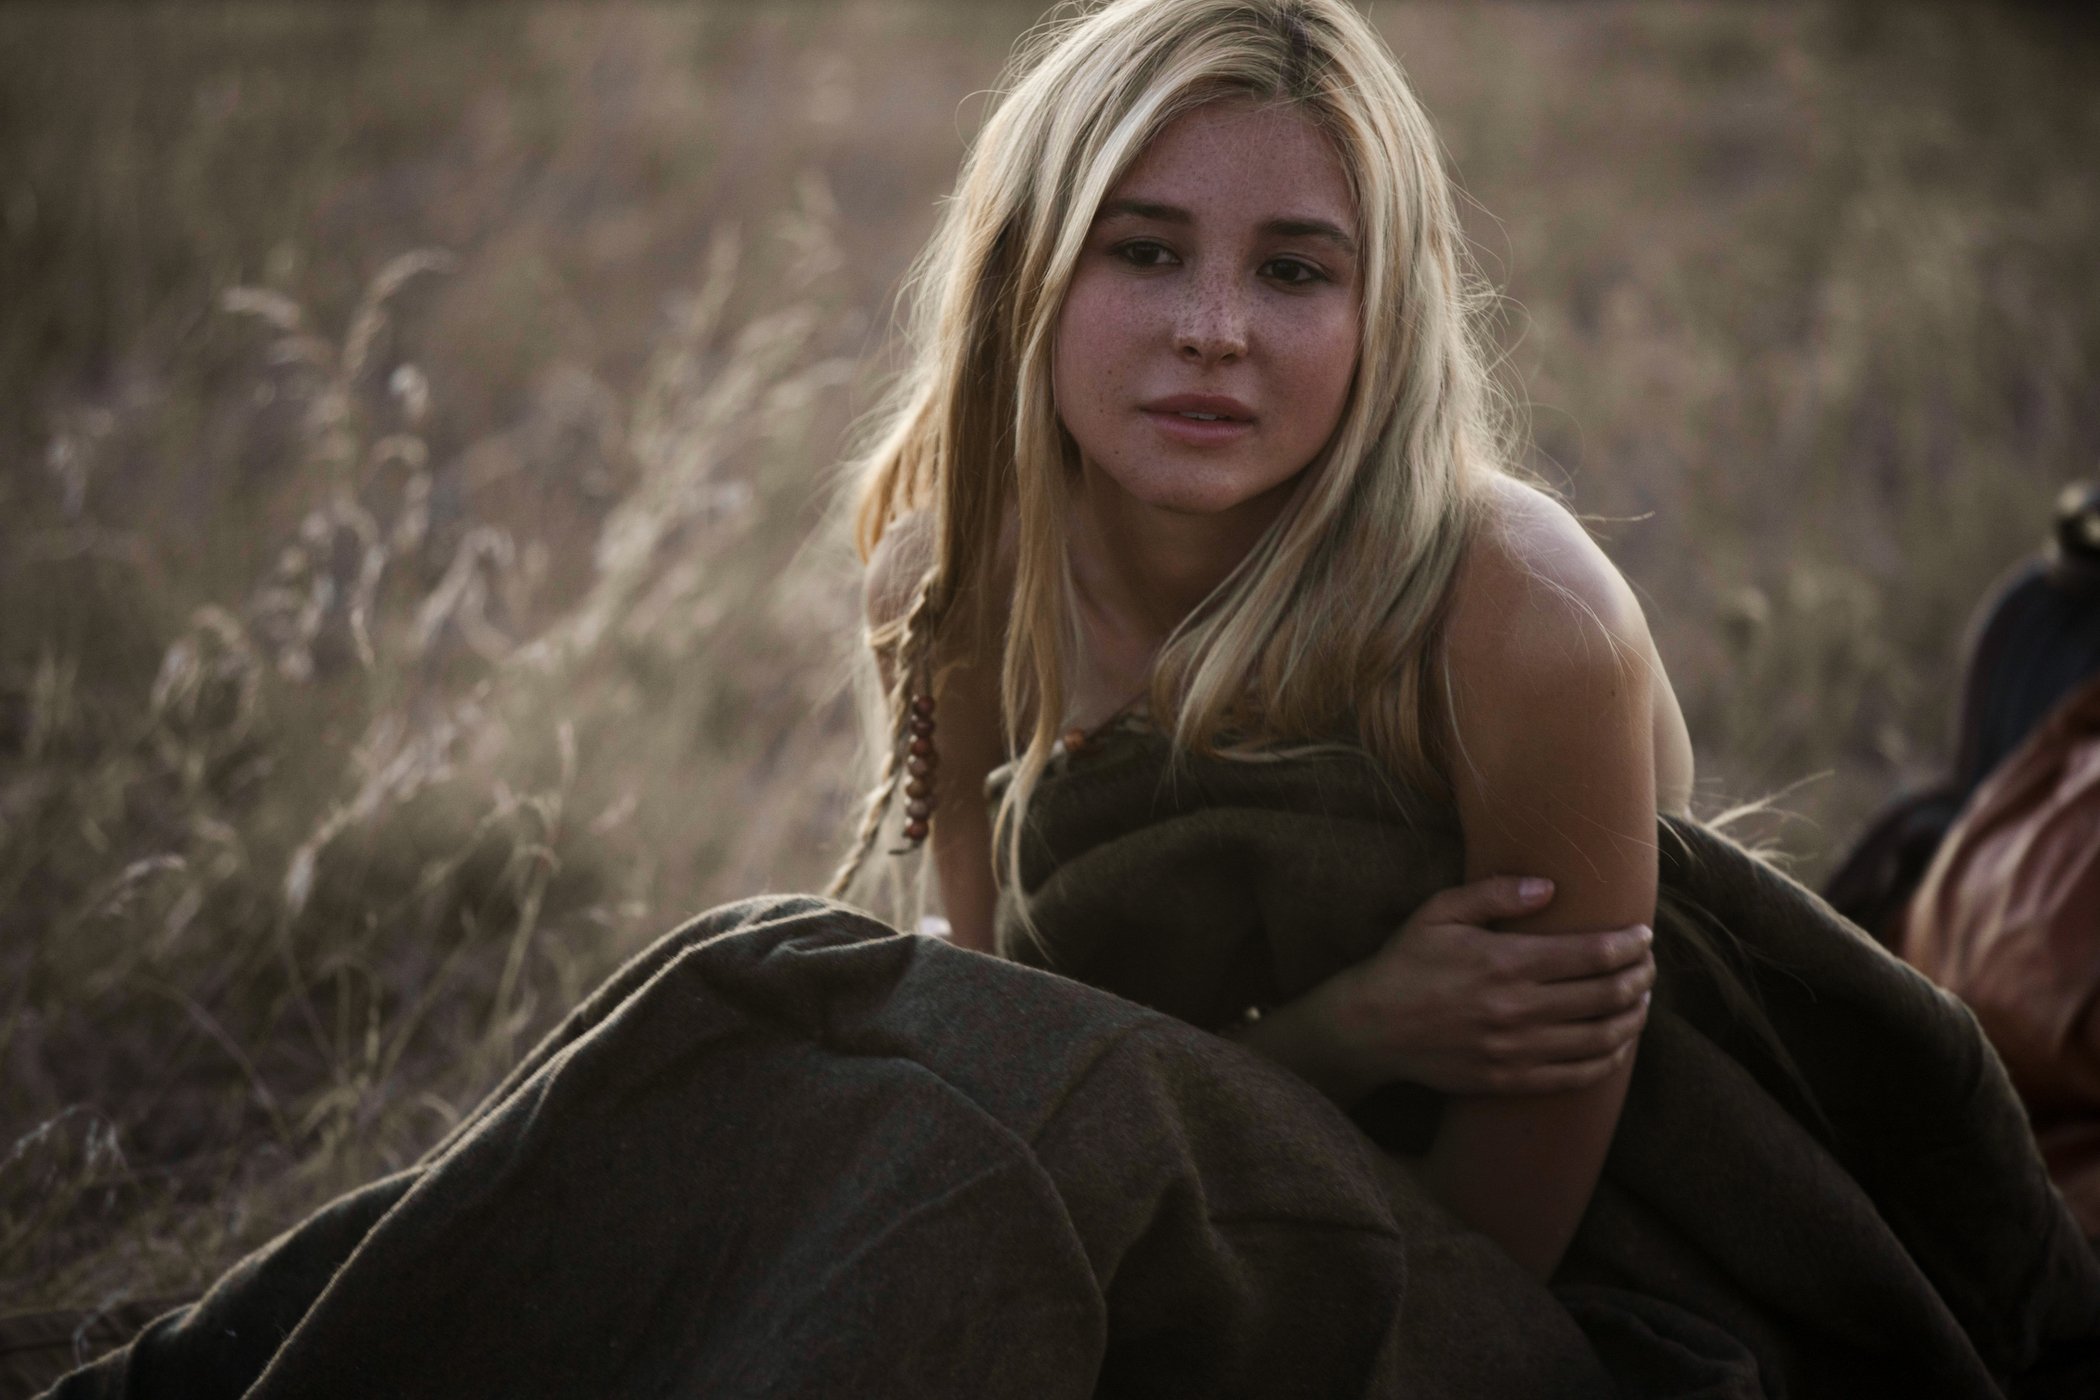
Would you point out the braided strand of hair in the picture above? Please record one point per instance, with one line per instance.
(915, 632)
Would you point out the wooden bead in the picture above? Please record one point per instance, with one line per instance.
(918, 811)
(922, 747)
(915, 831)
(922, 706)
(920, 725)
(919, 767)
(1075, 740)
(918, 788)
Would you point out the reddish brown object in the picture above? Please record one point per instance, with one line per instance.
(1075, 740)
(2008, 919)
(921, 761)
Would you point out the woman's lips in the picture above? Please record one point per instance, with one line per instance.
(1200, 420)
(1197, 432)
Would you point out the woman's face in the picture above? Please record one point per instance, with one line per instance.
(1206, 346)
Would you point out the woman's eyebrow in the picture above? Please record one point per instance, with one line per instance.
(1311, 228)
(1174, 214)
(1143, 209)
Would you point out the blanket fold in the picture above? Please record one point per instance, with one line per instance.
(1819, 1153)
(788, 1151)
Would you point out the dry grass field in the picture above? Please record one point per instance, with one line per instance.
(416, 424)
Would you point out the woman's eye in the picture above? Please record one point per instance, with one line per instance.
(1293, 273)
(1145, 253)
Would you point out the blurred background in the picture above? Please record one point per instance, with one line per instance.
(417, 424)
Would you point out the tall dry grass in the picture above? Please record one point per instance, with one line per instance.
(392, 640)
(306, 890)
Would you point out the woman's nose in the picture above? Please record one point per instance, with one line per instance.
(1213, 327)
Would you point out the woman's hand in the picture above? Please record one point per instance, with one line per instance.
(1452, 1004)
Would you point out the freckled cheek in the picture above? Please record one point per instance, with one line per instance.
(1096, 334)
(1086, 368)
(1117, 331)
(1322, 360)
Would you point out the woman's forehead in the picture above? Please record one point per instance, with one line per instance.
(1239, 157)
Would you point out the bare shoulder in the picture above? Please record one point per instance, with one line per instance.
(1536, 602)
(895, 568)
(1540, 615)
(901, 559)
(967, 662)
(1547, 658)
(972, 735)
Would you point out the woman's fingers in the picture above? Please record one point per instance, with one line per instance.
(1587, 998)
(1573, 1041)
(1455, 1004)
(1564, 957)
(1484, 902)
(1555, 1059)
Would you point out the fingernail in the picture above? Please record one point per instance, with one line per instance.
(1647, 934)
(1645, 996)
(1532, 888)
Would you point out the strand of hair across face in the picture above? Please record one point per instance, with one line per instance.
(913, 635)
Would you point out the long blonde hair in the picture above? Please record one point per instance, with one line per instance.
(1328, 629)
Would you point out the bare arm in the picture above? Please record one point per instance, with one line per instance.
(1451, 1003)
(966, 739)
(961, 840)
(1554, 775)
(1673, 743)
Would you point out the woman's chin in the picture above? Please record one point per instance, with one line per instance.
(1206, 498)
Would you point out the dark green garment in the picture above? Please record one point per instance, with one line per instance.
(1819, 1154)
(790, 1152)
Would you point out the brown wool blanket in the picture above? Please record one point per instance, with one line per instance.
(1821, 1184)
(790, 1152)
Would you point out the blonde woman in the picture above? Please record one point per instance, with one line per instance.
(1229, 671)
(1225, 444)
(1198, 442)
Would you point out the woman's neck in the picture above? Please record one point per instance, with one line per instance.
(1145, 569)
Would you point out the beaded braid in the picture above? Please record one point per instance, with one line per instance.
(911, 760)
